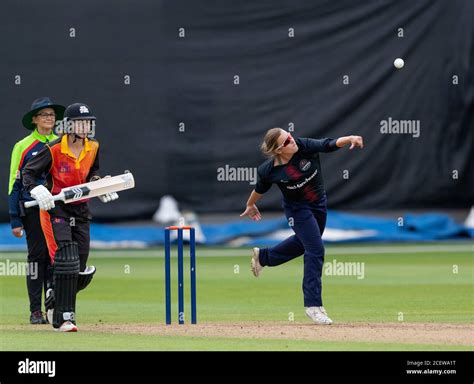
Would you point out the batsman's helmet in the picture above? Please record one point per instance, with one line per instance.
(78, 111)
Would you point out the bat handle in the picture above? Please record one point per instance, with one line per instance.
(34, 203)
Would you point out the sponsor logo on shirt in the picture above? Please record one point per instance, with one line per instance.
(304, 165)
(304, 182)
(64, 167)
(34, 153)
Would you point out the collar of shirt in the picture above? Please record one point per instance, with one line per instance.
(66, 150)
(43, 138)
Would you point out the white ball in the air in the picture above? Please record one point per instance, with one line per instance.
(398, 63)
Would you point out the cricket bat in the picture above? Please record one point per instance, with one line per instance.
(92, 189)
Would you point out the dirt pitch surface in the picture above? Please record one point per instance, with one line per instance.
(410, 333)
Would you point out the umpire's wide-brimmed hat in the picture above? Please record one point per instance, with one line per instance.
(38, 105)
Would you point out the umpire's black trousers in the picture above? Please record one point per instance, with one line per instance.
(39, 268)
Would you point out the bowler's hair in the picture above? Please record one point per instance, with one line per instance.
(270, 141)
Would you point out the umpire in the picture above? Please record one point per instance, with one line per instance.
(41, 121)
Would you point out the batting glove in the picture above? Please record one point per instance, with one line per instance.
(43, 197)
(108, 197)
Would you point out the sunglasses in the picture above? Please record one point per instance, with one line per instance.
(46, 115)
(286, 142)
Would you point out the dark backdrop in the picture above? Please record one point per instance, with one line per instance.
(283, 80)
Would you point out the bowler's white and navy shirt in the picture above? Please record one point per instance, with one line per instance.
(300, 179)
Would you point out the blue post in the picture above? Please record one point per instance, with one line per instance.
(192, 251)
(180, 278)
(167, 276)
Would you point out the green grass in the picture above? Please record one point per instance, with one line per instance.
(98, 341)
(129, 288)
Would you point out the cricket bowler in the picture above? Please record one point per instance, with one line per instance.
(71, 160)
(294, 166)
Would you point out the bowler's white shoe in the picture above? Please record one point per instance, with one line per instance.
(255, 262)
(67, 326)
(318, 315)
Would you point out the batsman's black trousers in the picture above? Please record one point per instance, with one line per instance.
(66, 223)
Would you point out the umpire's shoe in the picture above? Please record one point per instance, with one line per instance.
(36, 317)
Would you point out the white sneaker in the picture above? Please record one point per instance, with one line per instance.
(67, 326)
(255, 262)
(318, 315)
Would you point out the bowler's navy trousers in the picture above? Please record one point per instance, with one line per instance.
(308, 221)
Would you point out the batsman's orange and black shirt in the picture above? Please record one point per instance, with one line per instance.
(58, 165)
